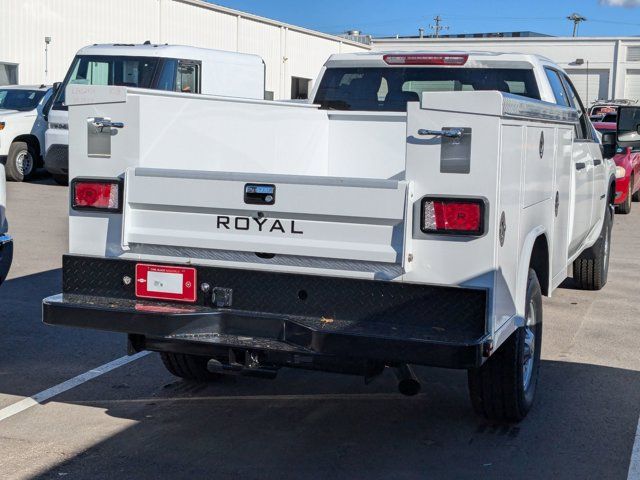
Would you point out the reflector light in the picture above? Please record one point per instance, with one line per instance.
(453, 216)
(425, 59)
(96, 195)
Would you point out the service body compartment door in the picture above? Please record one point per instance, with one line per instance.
(326, 217)
(583, 194)
(562, 203)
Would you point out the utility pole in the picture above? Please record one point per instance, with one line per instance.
(437, 27)
(576, 18)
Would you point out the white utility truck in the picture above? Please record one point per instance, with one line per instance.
(414, 212)
(22, 129)
(160, 67)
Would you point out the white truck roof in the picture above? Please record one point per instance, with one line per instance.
(170, 51)
(476, 58)
(26, 87)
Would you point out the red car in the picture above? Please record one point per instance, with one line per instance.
(627, 171)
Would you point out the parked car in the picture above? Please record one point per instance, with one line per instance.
(174, 68)
(606, 110)
(627, 160)
(385, 223)
(22, 129)
(6, 242)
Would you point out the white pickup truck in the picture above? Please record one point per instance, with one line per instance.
(22, 127)
(414, 213)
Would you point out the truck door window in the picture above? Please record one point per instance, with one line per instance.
(557, 87)
(167, 77)
(583, 128)
(188, 77)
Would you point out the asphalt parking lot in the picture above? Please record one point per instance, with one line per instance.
(137, 421)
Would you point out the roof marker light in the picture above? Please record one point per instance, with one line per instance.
(425, 59)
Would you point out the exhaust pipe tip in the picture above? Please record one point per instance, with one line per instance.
(408, 383)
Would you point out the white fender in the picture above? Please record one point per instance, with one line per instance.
(523, 269)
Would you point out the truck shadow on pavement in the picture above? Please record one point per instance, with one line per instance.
(34, 356)
(310, 425)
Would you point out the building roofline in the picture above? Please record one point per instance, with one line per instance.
(500, 39)
(268, 21)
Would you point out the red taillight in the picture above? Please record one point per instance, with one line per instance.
(96, 195)
(425, 59)
(453, 216)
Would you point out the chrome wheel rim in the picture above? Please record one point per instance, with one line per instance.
(24, 163)
(529, 347)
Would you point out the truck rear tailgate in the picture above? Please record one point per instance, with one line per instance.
(342, 218)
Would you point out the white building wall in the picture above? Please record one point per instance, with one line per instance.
(286, 49)
(603, 72)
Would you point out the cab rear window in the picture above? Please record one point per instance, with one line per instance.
(389, 89)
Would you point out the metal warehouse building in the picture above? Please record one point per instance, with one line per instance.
(293, 55)
(599, 67)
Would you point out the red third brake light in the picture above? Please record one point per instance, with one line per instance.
(453, 216)
(425, 59)
(96, 195)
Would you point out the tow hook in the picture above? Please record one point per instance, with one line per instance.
(408, 383)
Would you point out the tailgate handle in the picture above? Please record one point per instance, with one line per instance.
(103, 123)
(99, 133)
(448, 133)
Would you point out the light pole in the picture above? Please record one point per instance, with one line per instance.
(576, 18)
(47, 41)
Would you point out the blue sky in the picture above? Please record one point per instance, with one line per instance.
(391, 17)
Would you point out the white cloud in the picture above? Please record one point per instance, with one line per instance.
(621, 3)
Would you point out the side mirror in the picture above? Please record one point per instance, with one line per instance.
(47, 106)
(628, 128)
(609, 144)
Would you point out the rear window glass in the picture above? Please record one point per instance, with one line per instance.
(389, 89)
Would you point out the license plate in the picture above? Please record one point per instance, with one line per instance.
(163, 282)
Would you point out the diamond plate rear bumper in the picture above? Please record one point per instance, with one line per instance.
(290, 314)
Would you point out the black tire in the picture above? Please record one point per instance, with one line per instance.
(500, 389)
(591, 268)
(21, 155)
(61, 179)
(190, 367)
(625, 208)
(636, 195)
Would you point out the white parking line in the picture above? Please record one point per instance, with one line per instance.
(45, 395)
(634, 465)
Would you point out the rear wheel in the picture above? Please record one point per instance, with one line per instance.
(21, 162)
(591, 268)
(503, 389)
(625, 207)
(190, 367)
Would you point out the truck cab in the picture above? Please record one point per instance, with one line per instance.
(413, 213)
(170, 68)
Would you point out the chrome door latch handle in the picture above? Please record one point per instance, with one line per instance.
(102, 123)
(449, 133)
